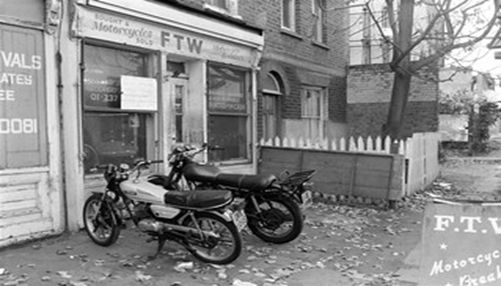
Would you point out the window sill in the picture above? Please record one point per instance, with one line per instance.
(320, 45)
(291, 34)
(230, 163)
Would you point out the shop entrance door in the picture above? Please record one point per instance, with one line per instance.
(189, 109)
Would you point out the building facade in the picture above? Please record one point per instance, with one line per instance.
(141, 82)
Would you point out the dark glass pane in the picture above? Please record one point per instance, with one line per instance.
(286, 22)
(227, 90)
(230, 134)
(113, 138)
(103, 68)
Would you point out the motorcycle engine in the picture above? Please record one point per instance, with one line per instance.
(146, 221)
(140, 211)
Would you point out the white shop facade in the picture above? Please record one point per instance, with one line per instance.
(142, 76)
(31, 192)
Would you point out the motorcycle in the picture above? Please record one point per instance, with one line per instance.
(272, 206)
(206, 223)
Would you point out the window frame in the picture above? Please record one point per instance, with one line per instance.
(230, 9)
(322, 103)
(150, 115)
(273, 94)
(247, 114)
(319, 26)
(291, 13)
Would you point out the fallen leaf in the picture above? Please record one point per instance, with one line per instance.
(141, 277)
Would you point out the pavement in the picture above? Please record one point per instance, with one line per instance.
(340, 245)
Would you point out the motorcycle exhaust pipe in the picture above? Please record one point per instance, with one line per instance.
(151, 225)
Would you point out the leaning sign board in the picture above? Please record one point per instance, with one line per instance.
(461, 244)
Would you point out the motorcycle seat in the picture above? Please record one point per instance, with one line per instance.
(201, 173)
(212, 174)
(249, 182)
(198, 199)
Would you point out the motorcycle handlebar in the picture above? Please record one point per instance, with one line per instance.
(192, 151)
(137, 165)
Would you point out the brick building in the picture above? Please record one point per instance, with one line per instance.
(302, 77)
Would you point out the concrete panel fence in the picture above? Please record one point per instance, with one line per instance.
(359, 167)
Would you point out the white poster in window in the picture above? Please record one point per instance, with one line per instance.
(138, 93)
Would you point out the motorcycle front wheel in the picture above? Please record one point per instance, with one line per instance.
(223, 247)
(278, 220)
(100, 221)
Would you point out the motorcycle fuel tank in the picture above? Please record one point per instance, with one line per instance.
(143, 191)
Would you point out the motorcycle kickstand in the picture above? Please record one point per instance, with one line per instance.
(161, 243)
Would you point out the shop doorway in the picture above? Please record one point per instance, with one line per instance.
(179, 90)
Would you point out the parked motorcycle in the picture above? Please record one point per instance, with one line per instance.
(206, 223)
(272, 206)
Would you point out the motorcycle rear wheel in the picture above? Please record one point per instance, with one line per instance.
(280, 219)
(100, 221)
(224, 248)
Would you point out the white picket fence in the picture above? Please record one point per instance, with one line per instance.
(420, 152)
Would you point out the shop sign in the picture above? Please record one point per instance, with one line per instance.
(138, 93)
(22, 99)
(124, 30)
(461, 245)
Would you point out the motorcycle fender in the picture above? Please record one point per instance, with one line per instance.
(226, 215)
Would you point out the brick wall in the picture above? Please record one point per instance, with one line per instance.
(368, 97)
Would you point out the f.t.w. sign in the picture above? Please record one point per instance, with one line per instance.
(461, 244)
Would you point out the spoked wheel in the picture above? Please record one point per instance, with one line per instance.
(279, 221)
(100, 221)
(221, 248)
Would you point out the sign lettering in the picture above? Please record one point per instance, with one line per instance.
(161, 37)
(461, 245)
(9, 63)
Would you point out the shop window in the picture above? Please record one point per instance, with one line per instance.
(289, 14)
(111, 134)
(23, 114)
(229, 113)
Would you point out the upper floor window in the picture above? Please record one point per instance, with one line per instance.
(318, 14)
(218, 3)
(229, 7)
(289, 14)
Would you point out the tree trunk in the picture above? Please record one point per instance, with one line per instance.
(399, 98)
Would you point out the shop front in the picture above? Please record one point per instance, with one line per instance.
(152, 75)
(31, 192)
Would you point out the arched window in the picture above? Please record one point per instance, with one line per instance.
(272, 90)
